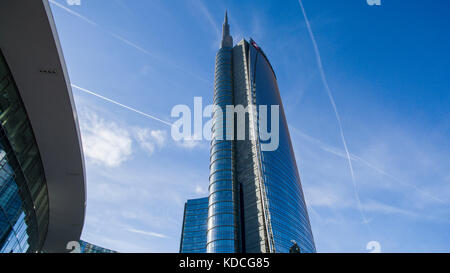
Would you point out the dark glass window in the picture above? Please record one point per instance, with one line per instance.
(193, 237)
(23, 191)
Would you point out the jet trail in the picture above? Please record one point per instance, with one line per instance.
(129, 43)
(121, 105)
(330, 96)
(335, 151)
(73, 12)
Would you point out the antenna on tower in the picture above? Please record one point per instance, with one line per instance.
(227, 40)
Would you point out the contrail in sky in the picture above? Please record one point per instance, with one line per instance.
(333, 150)
(73, 12)
(209, 17)
(330, 96)
(128, 42)
(148, 233)
(121, 105)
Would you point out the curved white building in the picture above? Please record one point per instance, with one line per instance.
(42, 175)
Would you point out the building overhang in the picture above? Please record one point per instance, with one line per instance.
(30, 44)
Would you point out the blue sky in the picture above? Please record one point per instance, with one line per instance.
(386, 67)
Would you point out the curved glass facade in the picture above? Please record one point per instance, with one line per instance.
(223, 206)
(256, 203)
(289, 219)
(23, 191)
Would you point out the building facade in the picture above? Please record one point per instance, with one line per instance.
(193, 236)
(42, 177)
(281, 199)
(223, 216)
(22, 179)
(256, 202)
(87, 248)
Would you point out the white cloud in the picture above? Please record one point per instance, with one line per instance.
(107, 144)
(149, 140)
(200, 190)
(104, 143)
(189, 143)
(159, 136)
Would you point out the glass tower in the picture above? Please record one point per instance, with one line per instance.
(223, 218)
(193, 238)
(256, 202)
(282, 196)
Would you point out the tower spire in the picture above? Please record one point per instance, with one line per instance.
(227, 40)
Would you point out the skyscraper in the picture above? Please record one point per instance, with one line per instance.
(256, 202)
(193, 238)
